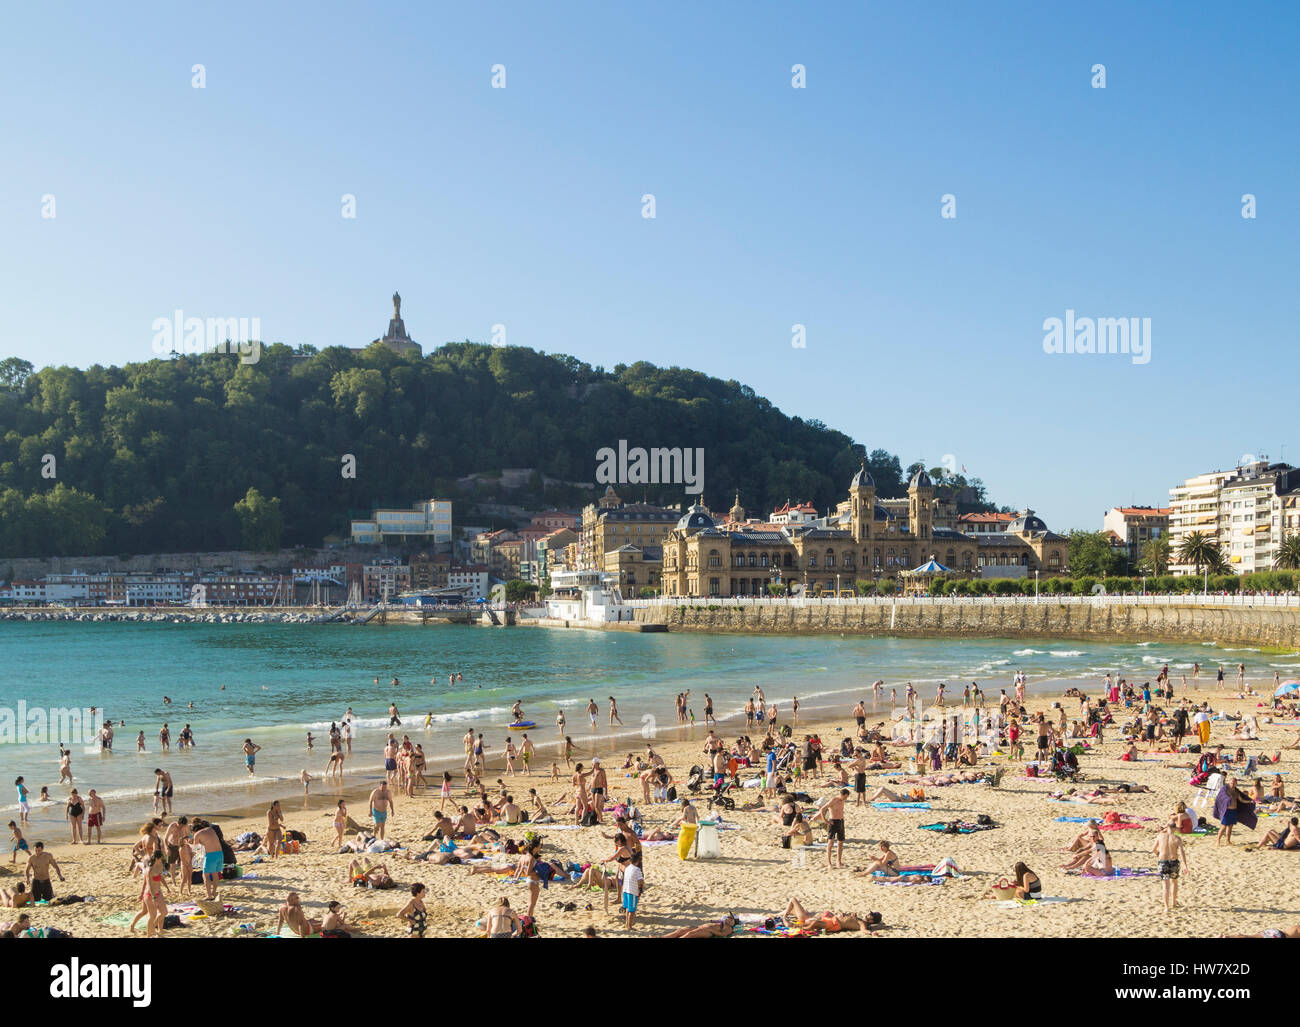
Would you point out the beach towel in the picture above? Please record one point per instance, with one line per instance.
(119, 919)
(1018, 903)
(1074, 820)
(1120, 873)
(1246, 814)
(901, 805)
(917, 879)
(963, 827)
(1124, 826)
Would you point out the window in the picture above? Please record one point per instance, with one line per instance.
(812, 561)
(714, 559)
(762, 560)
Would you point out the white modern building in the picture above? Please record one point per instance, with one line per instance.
(472, 579)
(429, 520)
(1245, 510)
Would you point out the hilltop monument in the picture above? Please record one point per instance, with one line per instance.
(396, 338)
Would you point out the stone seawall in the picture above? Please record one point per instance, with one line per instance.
(1269, 627)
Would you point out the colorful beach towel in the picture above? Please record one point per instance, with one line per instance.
(1124, 873)
(901, 805)
(963, 827)
(917, 879)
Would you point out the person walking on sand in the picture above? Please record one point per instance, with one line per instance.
(37, 877)
(832, 813)
(163, 790)
(95, 811)
(250, 755)
(74, 810)
(206, 837)
(633, 879)
(1171, 854)
(275, 829)
(381, 804)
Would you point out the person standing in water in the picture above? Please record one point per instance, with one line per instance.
(613, 713)
(250, 755)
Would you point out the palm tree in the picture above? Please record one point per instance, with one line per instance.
(1201, 551)
(1155, 555)
(1288, 552)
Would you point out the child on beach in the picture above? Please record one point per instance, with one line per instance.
(306, 780)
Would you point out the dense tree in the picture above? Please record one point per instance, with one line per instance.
(156, 455)
(1092, 555)
(260, 524)
(1154, 556)
(1202, 551)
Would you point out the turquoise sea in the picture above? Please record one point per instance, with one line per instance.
(282, 681)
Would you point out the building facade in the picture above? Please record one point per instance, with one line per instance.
(1136, 525)
(610, 523)
(1244, 510)
(427, 521)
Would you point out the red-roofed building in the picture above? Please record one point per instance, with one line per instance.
(983, 523)
(1134, 525)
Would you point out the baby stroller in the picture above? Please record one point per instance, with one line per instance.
(695, 780)
(719, 794)
(1065, 765)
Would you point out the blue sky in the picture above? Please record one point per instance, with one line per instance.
(775, 206)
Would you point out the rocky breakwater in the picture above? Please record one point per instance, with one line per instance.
(1262, 626)
(197, 616)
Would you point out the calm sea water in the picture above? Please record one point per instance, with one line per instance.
(282, 681)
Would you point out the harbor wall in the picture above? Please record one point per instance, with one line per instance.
(1272, 627)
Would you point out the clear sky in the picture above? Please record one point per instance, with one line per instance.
(818, 206)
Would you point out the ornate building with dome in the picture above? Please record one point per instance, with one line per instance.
(861, 541)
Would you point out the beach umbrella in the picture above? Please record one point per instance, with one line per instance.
(1287, 686)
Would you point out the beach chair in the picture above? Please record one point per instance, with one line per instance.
(1208, 792)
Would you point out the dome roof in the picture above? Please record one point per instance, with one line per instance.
(695, 519)
(863, 477)
(1026, 521)
(920, 480)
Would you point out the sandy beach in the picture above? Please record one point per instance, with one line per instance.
(1227, 890)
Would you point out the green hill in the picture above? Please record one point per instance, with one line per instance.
(153, 457)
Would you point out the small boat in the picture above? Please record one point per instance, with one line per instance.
(522, 725)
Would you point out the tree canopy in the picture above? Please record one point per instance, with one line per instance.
(202, 452)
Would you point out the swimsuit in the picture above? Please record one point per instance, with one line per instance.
(380, 815)
(836, 828)
(75, 810)
(1168, 869)
(213, 862)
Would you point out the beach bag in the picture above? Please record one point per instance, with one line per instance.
(984, 820)
(1031, 770)
(589, 818)
(672, 794)
(527, 927)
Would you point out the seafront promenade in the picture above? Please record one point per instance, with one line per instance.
(1268, 621)
(1256, 621)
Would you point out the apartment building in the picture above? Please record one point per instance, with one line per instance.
(428, 521)
(1135, 525)
(1245, 510)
